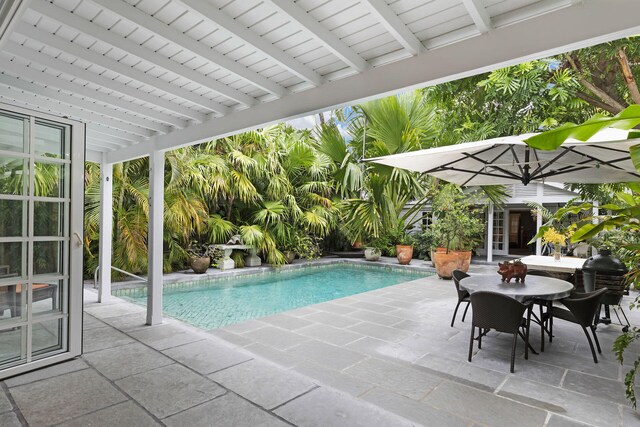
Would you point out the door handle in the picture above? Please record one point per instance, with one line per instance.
(79, 242)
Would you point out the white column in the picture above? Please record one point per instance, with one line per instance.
(106, 228)
(156, 208)
(539, 198)
(490, 232)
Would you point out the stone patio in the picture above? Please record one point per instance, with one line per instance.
(382, 358)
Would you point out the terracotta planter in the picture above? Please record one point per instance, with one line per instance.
(404, 253)
(200, 265)
(357, 244)
(372, 254)
(445, 263)
(433, 251)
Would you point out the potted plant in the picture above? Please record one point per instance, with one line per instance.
(199, 257)
(373, 250)
(457, 230)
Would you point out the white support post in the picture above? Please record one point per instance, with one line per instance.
(106, 228)
(539, 198)
(155, 232)
(490, 232)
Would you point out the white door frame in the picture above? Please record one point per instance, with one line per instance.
(72, 336)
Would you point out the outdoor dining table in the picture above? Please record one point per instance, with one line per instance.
(540, 287)
(543, 288)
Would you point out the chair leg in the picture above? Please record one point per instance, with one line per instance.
(454, 313)
(550, 320)
(526, 344)
(593, 350)
(465, 310)
(480, 338)
(513, 351)
(473, 331)
(542, 326)
(595, 337)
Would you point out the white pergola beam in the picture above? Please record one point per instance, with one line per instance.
(93, 156)
(328, 39)
(155, 237)
(97, 143)
(67, 110)
(55, 95)
(504, 46)
(394, 25)
(479, 14)
(10, 13)
(211, 13)
(124, 70)
(106, 229)
(86, 27)
(65, 67)
(490, 232)
(170, 34)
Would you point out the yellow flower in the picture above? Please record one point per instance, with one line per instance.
(554, 237)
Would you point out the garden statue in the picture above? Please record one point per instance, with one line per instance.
(235, 240)
(516, 269)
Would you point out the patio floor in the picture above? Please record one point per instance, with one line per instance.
(385, 357)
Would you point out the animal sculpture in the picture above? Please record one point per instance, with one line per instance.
(515, 269)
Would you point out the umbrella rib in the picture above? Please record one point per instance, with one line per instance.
(491, 161)
(474, 173)
(555, 159)
(515, 156)
(466, 156)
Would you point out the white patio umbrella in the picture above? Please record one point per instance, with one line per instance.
(602, 159)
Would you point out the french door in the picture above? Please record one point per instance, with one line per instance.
(41, 209)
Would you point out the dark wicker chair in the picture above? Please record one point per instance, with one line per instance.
(492, 310)
(463, 296)
(617, 287)
(582, 310)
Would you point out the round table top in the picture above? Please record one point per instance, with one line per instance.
(547, 288)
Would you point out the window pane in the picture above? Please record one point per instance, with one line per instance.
(47, 296)
(47, 337)
(51, 140)
(10, 259)
(48, 219)
(47, 257)
(12, 133)
(11, 346)
(13, 176)
(50, 180)
(11, 218)
(11, 303)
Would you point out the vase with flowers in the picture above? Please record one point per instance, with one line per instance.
(557, 239)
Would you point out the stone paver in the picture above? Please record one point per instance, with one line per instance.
(330, 355)
(129, 359)
(381, 332)
(402, 379)
(101, 338)
(207, 356)
(9, 419)
(330, 334)
(165, 336)
(323, 407)
(275, 337)
(333, 378)
(54, 400)
(483, 407)
(51, 371)
(122, 414)
(170, 389)
(285, 321)
(263, 383)
(228, 410)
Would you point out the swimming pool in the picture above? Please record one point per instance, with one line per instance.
(213, 303)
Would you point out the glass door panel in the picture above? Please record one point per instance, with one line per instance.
(39, 295)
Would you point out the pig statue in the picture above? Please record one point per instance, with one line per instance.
(512, 269)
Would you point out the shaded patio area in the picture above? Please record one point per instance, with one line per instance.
(385, 357)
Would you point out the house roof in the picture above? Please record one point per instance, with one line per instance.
(155, 75)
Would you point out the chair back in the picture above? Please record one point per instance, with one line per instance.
(584, 306)
(458, 275)
(617, 286)
(492, 310)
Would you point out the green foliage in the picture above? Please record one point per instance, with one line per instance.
(552, 139)
(457, 225)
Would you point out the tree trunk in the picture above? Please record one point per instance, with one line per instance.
(321, 117)
(629, 80)
(603, 95)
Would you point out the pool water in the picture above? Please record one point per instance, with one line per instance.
(213, 303)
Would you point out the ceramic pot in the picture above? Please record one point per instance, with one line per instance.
(372, 254)
(445, 262)
(404, 253)
(200, 265)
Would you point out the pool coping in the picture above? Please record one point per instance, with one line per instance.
(214, 273)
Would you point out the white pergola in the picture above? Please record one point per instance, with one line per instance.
(147, 76)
